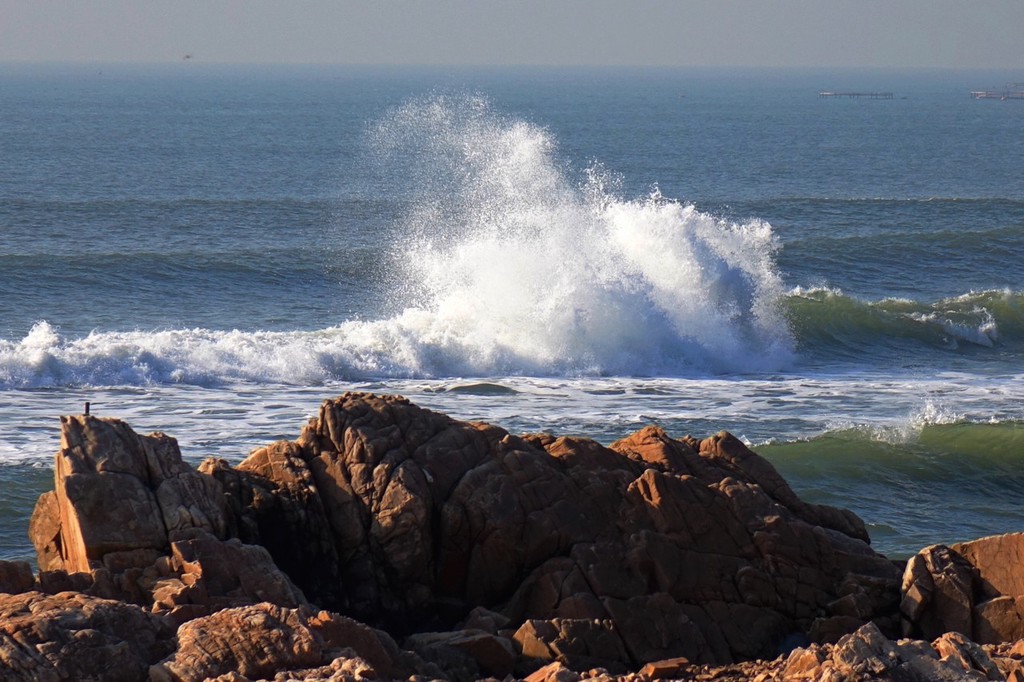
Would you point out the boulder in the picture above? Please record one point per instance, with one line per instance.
(974, 588)
(254, 641)
(592, 556)
(413, 519)
(129, 520)
(868, 655)
(16, 577)
(103, 460)
(264, 641)
(465, 655)
(72, 636)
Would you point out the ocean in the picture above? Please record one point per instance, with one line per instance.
(210, 251)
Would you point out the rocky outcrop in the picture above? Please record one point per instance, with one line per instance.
(677, 547)
(868, 655)
(974, 588)
(262, 641)
(156, 493)
(128, 519)
(483, 554)
(72, 636)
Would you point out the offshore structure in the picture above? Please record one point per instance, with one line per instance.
(857, 95)
(1010, 91)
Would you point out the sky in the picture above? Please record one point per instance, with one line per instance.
(975, 34)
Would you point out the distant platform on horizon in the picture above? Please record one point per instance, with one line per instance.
(856, 95)
(1009, 91)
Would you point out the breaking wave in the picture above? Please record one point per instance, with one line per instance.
(830, 323)
(508, 262)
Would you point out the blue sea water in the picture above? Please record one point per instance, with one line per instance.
(210, 251)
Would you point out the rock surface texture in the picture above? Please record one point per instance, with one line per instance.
(434, 548)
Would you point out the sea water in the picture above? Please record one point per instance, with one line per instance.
(212, 251)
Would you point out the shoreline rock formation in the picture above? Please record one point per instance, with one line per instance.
(389, 542)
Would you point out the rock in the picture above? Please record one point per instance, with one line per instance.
(16, 577)
(670, 668)
(580, 644)
(423, 518)
(974, 588)
(553, 672)
(601, 558)
(44, 532)
(72, 636)
(103, 460)
(229, 573)
(868, 655)
(465, 655)
(264, 641)
(969, 656)
(340, 634)
(253, 641)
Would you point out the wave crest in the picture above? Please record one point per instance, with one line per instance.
(507, 263)
(515, 269)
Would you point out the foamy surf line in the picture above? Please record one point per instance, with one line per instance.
(505, 265)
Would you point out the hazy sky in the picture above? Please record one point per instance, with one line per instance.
(774, 33)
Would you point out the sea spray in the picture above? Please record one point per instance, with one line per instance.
(511, 267)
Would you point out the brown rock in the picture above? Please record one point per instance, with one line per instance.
(670, 668)
(44, 532)
(230, 573)
(253, 641)
(804, 664)
(465, 655)
(72, 636)
(598, 556)
(339, 634)
(553, 672)
(101, 461)
(968, 655)
(938, 589)
(16, 577)
(413, 519)
(579, 644)
(265, 641)
(974, 588)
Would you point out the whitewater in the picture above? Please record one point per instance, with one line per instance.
(527, 249)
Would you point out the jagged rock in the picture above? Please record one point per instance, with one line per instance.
(229, 573)
(44, 532)
(413, 519)
(599, 557)
(16, 577)
(129, 520)
(262, 641)
(578, 643)
(254, 641)
(975, 588)
(669, 668)
(465, 655)
(102, 460)
(73, 636)
(868, 655)
(553, 672)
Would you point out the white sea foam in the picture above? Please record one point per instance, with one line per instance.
(980, 329)
(513, 268)
(505, 265)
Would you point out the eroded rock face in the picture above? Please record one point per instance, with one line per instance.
(975, 588)
(684, 547)
(117, 491)
(129, 520)
(72, 636)
(263, 640)
(868, 655)
(481, 550)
